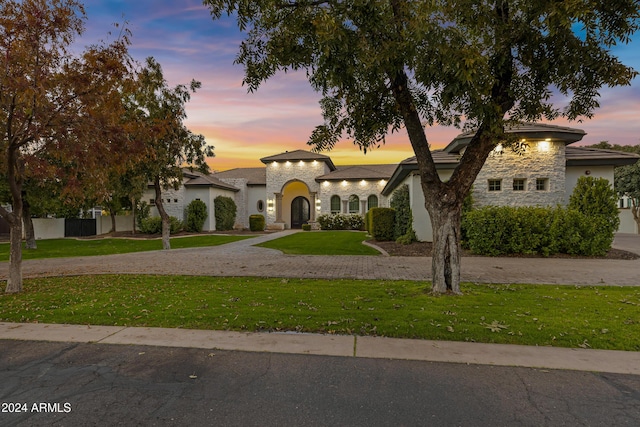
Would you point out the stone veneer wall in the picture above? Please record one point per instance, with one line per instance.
(278, 174)
(174, 207)
(542, 159)
(344, 189)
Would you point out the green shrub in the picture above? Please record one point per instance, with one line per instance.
(401, 203)
(153, 225)
(225, 213)
(408, 238)
(196, 215)
(306, 227)
(595, 197)
(341, 222)
(382, 223)
(534, 230)
(256, 222)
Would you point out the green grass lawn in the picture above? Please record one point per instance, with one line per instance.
(322, 243)
(62, 248)
(563, 316)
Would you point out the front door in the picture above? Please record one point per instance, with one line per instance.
(300, 213)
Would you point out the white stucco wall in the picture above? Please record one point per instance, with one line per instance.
(575, 172)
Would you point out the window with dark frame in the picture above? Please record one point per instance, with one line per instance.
(518, 184)
(542, 184)
(495, 184)
(335, 204)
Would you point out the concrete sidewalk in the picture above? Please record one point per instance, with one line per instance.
(621, 362)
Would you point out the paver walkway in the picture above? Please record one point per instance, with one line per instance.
(242, 258)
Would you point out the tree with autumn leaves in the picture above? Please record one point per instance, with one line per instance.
(59, 112)
(75, 121)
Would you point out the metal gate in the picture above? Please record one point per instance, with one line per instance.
(79, 227)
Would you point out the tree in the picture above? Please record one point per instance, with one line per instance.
(384, 65)
(160, 111)
(58, 111)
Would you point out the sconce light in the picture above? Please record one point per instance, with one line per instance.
(318, 205)
(270, 205)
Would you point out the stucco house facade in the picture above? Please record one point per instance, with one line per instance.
(296, 187)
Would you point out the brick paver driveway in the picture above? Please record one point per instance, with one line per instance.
(243, 259)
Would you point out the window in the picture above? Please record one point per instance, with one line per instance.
(175, 200)
(372, 201)
(152, 201)
(495, 184)
(542, 184)
(260, 206)
(518, 184)
(335, 204)
(354, 204)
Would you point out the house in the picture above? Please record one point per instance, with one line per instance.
(296, 187)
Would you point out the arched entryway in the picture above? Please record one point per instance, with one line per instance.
(300, 212)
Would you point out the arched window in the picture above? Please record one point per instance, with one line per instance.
(372, 201)
(335, 204)
(354, 204)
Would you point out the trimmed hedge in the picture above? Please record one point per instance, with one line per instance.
(381, 223)
(153, 225)
(225, 212)
(196, 215)
(256, 222)
(341, 222)
(534, 230)
(401, 203)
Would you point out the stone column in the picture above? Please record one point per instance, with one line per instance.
(279, 207)
(312, 207)
(363, 207)
(345, 206)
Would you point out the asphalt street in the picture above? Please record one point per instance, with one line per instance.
(98, 384)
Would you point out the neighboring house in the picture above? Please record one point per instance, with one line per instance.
(295, 187)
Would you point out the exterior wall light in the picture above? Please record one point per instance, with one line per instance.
(544, 145)
(270, 205)
(326, 183)
(383, 182)
(288, 163)
(318, 205)
(363, 183)
(344, 183)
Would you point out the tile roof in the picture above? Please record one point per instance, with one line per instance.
(254, 176)
(298, 155)
(586, 156)
(525, 130)
(195, 178)
(357, 172)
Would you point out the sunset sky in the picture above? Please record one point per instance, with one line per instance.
(281, 115)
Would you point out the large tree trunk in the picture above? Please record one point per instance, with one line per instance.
(29, 232)
(133, 211)
(14, 282)
(166, 225)
(112, 214)
(445, 263)
(635, 211)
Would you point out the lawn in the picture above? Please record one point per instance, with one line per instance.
(563, 316)
(322, 243)
(62, 248)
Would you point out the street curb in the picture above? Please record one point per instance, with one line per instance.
(609, 361)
